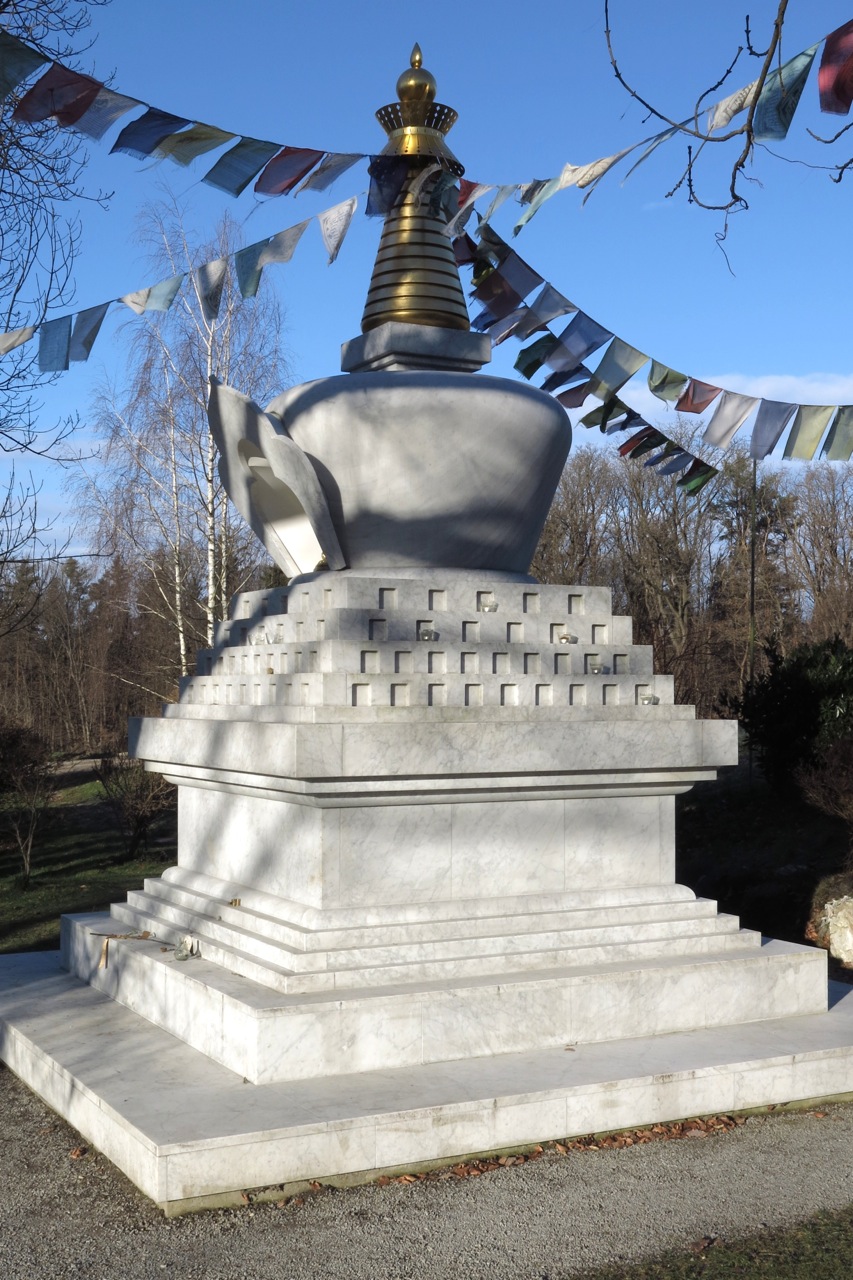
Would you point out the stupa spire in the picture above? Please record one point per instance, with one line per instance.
(415, 278)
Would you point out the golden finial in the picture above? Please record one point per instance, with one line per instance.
(416, 124)
(416, 84)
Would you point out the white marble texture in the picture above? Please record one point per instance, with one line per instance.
(432, 468)
(366, 1020)
(450, 592)
(467, 744)
(334, 853)
(189, 1132)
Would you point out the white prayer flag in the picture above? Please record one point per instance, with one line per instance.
(15, 338)
(724, 112)
(334, 224)
(732, 412)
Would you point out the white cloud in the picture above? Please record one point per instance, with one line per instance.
(809, 388)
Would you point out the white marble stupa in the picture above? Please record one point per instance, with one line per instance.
(426, 811)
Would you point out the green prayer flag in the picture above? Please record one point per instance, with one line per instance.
(839, 442)
(17, 62)
(665, 383)
(698, 482)
(809, 425)
(697, 477)
(534, 356)
(602, 413)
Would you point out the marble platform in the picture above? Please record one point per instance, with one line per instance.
(190, 1133)
(426, 841)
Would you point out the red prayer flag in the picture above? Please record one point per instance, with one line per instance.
(696, 396)
(631, 444)
(465, 189)
(59, 92)
(835, 77)
(574, 398)
(283, 172)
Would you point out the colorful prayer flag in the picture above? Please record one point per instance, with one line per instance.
(696, 396)
(617, 366)
(780, 95)
(771, 420)
(107, 107)
(839, 443)
(665, 383)
(86, 329)
(234, 171)
(60, 93)
(809, 425)
(54, 341)
(730, 415)
(285, 170)
(15, 338)
(835, 77)
(329, 170)
(142, 136)
(185, 147)
(17, 62)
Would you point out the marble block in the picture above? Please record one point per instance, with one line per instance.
(334, 1022)
(426, 826)
(190, 1133)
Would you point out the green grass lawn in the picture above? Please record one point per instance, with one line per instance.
(820, 1249)
(77, 866)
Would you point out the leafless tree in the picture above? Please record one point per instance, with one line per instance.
(741, 138)
(41, 170)
(157, 495)
(26, 783)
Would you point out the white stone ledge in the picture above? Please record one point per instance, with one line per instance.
(186, 1130)
(457, 749)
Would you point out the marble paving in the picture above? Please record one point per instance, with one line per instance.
(189, 1132)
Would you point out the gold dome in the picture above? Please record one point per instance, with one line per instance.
(416, 84)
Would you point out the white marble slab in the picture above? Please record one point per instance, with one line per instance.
(271, 1025)
(185, 1129)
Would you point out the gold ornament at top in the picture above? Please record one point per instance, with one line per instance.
(417, 125)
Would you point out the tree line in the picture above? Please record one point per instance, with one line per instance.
(91, 642)
(711, 581)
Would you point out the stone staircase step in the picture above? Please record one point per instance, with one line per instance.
(288, 1034)
(300, 938)
(237, 950)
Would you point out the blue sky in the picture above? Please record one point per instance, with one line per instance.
(534, 90)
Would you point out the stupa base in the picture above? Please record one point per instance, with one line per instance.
(192, 1134)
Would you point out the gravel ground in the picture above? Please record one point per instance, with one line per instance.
(64, 1217)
